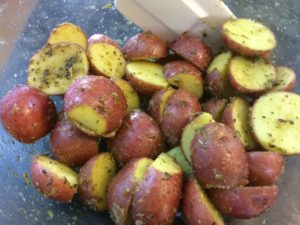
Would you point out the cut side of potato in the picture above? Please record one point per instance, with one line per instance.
(275, 122)
(285, 79)
(146, 77)
(53, 68)
(236, 115)
(251, 76)
(248, 37)
(68, 32)
(106, 60)
(177, 154)
(189, 131)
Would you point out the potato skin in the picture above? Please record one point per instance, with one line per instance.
(179, 66)
(157, 198)
(244, 202)
(265, 168)
(215, 107)
(101, 94)
(218, 157)
(138, 136)
(193, 49)
(95, 38)
(71, 146)
(180, 108)
(145, 45)
(27, 113)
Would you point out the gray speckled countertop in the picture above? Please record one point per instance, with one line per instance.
(19, 201)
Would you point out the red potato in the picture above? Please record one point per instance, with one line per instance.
(71, 146)
(180, 108)
(286, 79)
(244, 202)
(95, 105)
(193, 49)
(122, 189)
(145, 46)
(196, 207)
(215, 107)
(53, 179)
(185, 76)
(218, 157)
(101, 38)
(265, 168)
(94, 177)
(27, 113)
(138, 136)
(157, 197)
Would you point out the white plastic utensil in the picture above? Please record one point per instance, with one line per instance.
(169, 18)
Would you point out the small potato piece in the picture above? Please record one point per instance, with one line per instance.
(53, 68)
(216, 77)
(218, 157)
(197, 208)
(178, 155)
(146, 77)
(180, 108)
(138, 136)
(265, 168)
(185, 76)
(94, 178)
(157, 197)
(158, 102)
(244, 202)
(53, 179)
(132, 98)
(193, 49)
(95, 105)
(189, 132)
(101, 38)
(215, 107)
(236, 116)
(145, 46)
(275, 122)
(68, 32)
(251, 76)
(122, 188)
(71, 146)
(27, 113)
(106, 60)
(285, 79)
(248, 37)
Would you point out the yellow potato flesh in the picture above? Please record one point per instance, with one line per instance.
(220, 63)
(166, 164)
(181, 160)
(142, 168)
(284, 76)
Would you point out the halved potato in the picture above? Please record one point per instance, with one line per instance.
(285, 79)
(215, 107)
(236, 116)
(189, 131)
(177, 154)
(197, 208)
(146, 77)
(53, 68)
(53, 179)
(216, 77)
(248, 37)
(94, 178)
(244, 202)
(275, 122)
(68, 32)
(157, 197)
(102, 38)
(251, 76)
(122, 188)
(106, 60)
(132, 98)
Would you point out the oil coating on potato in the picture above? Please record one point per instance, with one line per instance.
(27, 113)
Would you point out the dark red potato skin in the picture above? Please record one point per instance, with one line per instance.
(138, 136)
(193, 49)
(27, 113)
(180, 108)
(265, 168)
(244, 202)
(218, 157)
(215, 107)
(101, 38)
(179, 66)
(71, 146)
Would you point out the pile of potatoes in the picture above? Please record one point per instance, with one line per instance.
(227, 119)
